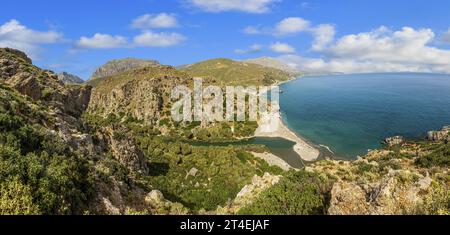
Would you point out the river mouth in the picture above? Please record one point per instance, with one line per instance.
(280, 147)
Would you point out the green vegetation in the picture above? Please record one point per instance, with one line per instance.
(39, 174)
(220, 172)
(106, 84)
(439, 157)
(298, 193)
(229, 72)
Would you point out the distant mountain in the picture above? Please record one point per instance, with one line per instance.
(274, 63)
(118, 66)
(230, 72)
(69, 79)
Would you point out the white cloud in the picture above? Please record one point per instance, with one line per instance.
(249, 6)
(282, 48)
(446, 37)
(150, 21)
(102, 41)
(152, 39)
(252, 30)
(15, 35)
(323, 35)
(292, 25)
(255, 48)
(380, 50)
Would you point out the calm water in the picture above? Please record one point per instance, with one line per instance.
(354, 113)
(280, 147)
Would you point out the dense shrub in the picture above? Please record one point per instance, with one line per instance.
(299, 193)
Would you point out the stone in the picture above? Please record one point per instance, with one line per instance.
(396, 140)
(69, 79)
(155, 196)
(192, 172)
(441, 135)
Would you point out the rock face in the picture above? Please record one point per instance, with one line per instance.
(389, 196)
(117, 66)
(396, 140)
(144, 93)
(69, 79)
(124, 148)
(17, 71)
(443, 134)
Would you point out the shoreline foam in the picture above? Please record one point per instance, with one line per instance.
(306, 151)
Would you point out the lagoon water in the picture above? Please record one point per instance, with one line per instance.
(353, 113)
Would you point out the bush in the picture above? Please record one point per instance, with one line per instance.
(299, 193)
(438, 158)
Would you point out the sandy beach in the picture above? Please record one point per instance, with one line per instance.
(272, 126)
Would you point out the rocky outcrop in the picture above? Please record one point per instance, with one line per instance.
(17, 71)
(392, 195)
(117, 66)
(392, 141)
(143, 94)
(70, 79)
(443, 134)
(124, 148)
(249, 193)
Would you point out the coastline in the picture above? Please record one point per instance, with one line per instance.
(306, 151)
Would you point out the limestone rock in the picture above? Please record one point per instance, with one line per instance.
(392, 195)
(69, 79)
(122, 65)
(396, 140)
(443, 134)
(143, 94)
(124, 148)
(192, 172)
(155, 196)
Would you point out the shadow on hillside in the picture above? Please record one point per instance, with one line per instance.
(158, 168)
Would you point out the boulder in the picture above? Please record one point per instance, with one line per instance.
(441, 135)
(154, 197)
(392, 141)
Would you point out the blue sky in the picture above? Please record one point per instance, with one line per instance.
(316, 35)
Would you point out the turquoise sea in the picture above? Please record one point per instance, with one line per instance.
(353, 113)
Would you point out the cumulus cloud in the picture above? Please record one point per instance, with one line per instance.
(15, 35)
(255, 48)
(323, 35)
(150, 21)
(102, 41)
(252, 30)
(153, 39)
(292, 25)
(249, 6)
(380, 50)
(446, 37)
(282, 48)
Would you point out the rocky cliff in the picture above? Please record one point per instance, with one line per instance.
(70, 79)
(143, 94)
(118, 66)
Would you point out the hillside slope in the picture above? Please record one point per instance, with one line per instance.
(229, 72)
(275, 64)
